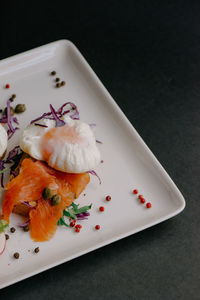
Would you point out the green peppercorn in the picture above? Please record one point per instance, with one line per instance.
(63, 83)
(12, 111)
(57, 79)
(47, 193)
(55, 200)
(20, 108)
(58, 85)
(7, 237)
(37, 250)
(12, 229)
(16, 255)
(53, 73)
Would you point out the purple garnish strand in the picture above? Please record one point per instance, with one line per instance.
(15, 120)
(26, 203)
(65, 112)
(80, 215)
(12, 154)
(41, 117)
(59, 122)
(24, 224)
(57, 114)
(13, 173)
(59, 111)
(10, 158)
(74, 116)
(2, 177)
(3, 120)
(83, 215)
(82, 218)
(2, 162)
(10, 133)
(95, 174)
(99, 142)
(9, 117)
(86, 213)
(41, 125)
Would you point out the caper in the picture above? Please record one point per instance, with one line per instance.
(20, 108)
(12, 111)
(47, 193)
(55, 200)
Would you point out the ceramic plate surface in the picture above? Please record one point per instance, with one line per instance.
(128, 163)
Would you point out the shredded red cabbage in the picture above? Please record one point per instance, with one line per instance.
(13, 157)
(24, 224)
(3, 119)
(82, 218)
(15, 120)
(12, 154)
(95, 174)
(99, 142)
(60, 113)
(10, 133)
(75, 115)
(8, 119)
(60, 110)
(13, 173)
(41, 117)
(59, 122)
(83, 215)
(41, 125)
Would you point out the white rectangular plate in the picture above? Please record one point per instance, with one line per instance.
(128, 163)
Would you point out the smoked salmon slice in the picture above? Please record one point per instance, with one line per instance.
(28, 186)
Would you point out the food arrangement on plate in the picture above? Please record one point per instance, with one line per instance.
(49, 169)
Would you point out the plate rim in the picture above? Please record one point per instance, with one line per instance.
(179, 196)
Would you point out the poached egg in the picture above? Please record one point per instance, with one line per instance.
(71, 148)
(3, 140)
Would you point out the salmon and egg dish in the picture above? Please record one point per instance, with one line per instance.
(57, 155)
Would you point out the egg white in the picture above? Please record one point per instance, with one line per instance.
(67, 157)
(3, 140)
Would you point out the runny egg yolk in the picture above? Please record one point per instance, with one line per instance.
(55, 138)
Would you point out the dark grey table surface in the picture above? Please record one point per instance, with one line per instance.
(147, 53)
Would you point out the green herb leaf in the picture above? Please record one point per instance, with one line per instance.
(62, 222)
(72, 212)
(75, 206)
(2, 171)
(83, 209)
(3, 225)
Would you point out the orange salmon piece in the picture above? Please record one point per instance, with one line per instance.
(28, 186)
